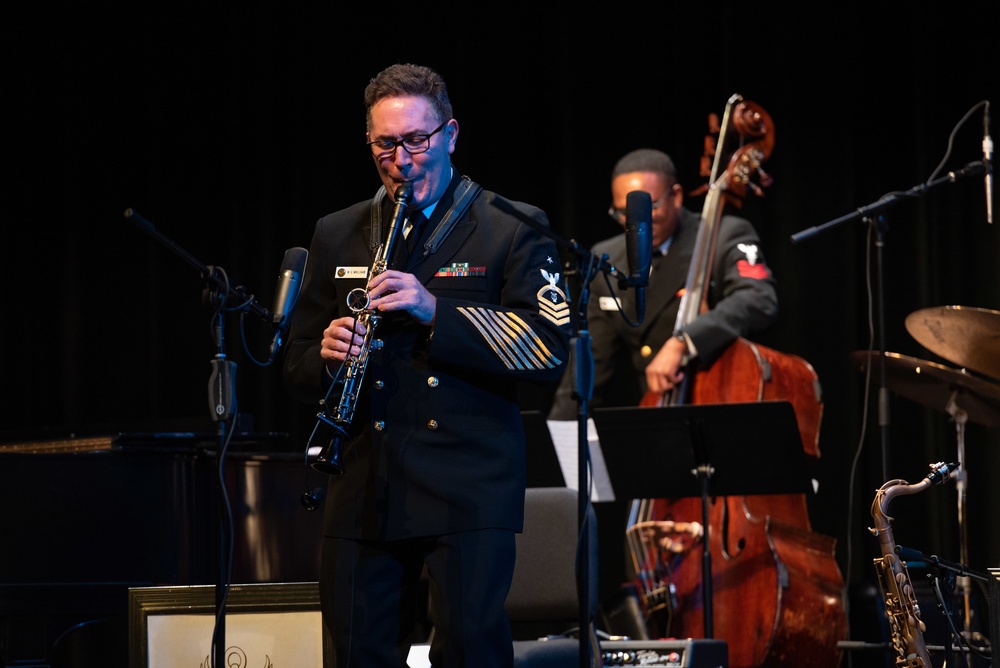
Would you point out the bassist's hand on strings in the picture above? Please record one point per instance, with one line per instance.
(664, 372)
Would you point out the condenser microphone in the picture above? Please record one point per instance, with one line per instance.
(988, 163)
(639, 244)
(287, 293)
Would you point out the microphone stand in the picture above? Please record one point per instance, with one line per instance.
(589, 265)
(950, 573)
(872, 215)
(222, 401)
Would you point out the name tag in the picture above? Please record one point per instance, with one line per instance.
(610, 303)
(352, 272)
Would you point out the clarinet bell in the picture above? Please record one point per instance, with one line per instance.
(328, 460)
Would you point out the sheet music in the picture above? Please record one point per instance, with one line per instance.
(565, 438)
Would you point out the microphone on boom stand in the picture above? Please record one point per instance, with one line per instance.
(639, 245)
(286, 293)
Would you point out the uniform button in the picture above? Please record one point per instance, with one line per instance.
(377, 344)
(432, 425)
(645, 351)
(432, 381)
(379, 384)
(379, 425)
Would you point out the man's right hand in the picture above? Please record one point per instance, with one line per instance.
(343, 335)
(664, 372)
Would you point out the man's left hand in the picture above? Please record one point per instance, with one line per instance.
(394, 290)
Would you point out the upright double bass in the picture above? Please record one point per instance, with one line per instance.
(775, 585)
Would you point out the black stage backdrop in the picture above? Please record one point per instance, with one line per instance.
(233, 127)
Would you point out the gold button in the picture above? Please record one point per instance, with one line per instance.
(432, 425)
(379, 384)
(433, 382)
(645, 351)
(379, 425)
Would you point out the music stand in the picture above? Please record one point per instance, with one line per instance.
(703, 450)
(541, 462)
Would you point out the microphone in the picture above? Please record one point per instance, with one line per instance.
(639, 244)
(988, 163)
(909, 554)
(287, 293)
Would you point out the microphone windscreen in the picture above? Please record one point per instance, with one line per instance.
(293, 265)
(639, 235)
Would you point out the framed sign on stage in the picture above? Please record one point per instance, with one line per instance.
(269, 624)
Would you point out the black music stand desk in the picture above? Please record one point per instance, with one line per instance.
(703, 450)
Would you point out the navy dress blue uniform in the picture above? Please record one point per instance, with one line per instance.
(741, 295)
(437, 454)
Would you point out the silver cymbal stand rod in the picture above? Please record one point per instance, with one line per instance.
(962, 581)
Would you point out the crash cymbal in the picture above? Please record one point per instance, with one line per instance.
(933, 385)
(968, 337)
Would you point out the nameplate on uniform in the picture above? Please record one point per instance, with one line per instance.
(352, 272)
(610, 303)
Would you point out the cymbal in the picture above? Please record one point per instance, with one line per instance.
(968, 337)
(933, 385)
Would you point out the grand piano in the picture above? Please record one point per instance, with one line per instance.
(84, 519)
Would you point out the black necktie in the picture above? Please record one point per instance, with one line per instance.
(417, 221)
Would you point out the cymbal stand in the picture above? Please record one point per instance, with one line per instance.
(871, 214)
(961, 417)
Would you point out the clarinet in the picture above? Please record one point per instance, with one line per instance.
(358, 300)
(902, 610)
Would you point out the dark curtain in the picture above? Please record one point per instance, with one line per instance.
(234, 128)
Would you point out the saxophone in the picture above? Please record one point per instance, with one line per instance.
(894, 580)
(358, 300)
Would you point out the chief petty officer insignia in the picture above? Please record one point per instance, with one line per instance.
(552, 300)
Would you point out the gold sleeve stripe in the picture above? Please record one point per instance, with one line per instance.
(501, 338)
(521, 338)
(512, 339)
(530, 340)
(478, 324)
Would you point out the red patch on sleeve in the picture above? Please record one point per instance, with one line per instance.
(747, 270)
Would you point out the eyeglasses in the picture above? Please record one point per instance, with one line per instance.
(414, 143)
(619, 215)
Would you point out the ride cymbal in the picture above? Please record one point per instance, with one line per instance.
(966, 336)
(933, 385)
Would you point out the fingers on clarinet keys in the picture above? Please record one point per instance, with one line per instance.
(935, 386)
(963, 335)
